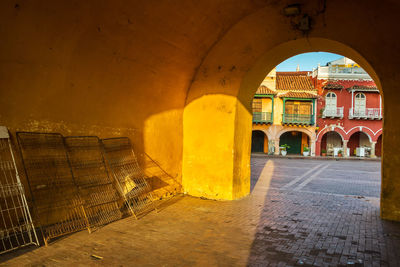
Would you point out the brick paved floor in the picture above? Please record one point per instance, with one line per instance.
(300, 212)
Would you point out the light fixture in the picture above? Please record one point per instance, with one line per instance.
(292, 10)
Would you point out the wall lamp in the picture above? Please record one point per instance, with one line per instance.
(292, 10)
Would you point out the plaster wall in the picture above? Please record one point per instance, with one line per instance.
(253, 53)
(344, 100)
(178, 77)
(107, 68)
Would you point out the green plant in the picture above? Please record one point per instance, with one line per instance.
(323, 151)
(306, 149)
(321, 112)
(340, 152)
(284, 147)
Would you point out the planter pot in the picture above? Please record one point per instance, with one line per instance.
(339, 155)
(283, 152)
(324, 154)
(305, 154)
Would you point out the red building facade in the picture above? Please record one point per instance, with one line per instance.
(349, 111)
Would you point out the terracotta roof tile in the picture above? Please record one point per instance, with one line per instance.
(298, 95)
(293, 82)
(333, 86)
(295, 73)
(263, 90)
(363, 88)
(350, 84)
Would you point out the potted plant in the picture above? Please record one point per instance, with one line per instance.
(323, 152)
(306, 151)
(339, 153)
(283, 149)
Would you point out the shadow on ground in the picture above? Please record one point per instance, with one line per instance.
(320, 229)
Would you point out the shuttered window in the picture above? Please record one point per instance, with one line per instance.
(257, 105)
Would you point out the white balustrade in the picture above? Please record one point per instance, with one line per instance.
(368, 113)
(333, 113)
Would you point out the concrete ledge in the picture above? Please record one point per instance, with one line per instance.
(261, 155)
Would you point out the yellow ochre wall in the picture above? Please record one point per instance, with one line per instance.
(278, 111)
(178, 77)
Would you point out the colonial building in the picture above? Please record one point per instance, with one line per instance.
(284, 113)
(349, 110)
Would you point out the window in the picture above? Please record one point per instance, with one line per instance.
(257, 105)
(298, 107)
(359, 104)
(330, 101)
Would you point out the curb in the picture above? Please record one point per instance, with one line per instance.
(262, 155)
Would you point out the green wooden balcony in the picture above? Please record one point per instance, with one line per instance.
(262, 117)
(303, 119)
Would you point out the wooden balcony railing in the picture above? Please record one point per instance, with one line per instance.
(262, 117)
(305, 119)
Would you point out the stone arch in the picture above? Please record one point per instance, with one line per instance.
(310, 134)
(327, 129)
(363, 129)
(286, 132)
(266, 131)
(226, 97)
(323, 133)
(377, 134)
(351, 145)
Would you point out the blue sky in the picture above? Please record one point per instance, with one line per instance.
(307, 61)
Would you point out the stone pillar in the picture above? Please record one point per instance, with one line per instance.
(372, 155)
(345, 148)
(312, 141)
(276, 152)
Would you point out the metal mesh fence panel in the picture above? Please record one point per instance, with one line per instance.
(58, 207)
(96, 189)
(130, 178)
(16, 227)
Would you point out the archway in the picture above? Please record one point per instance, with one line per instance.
(259, 141)
(225, 97)
(222, 114)
(359, 144)
(331, 143)
(295, 140)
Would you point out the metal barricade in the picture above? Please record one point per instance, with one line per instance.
(96, 189)
(16, 226)
(130, 178)
(58, 207)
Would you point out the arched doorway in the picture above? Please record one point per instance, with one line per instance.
(229, 101)
(331, 143)
(378, 147)
(258, 143)
(295, 140)
(359, 140)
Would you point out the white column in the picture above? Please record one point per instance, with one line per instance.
(312, 141)
(276, 152)
(345, 148)
(373, 150)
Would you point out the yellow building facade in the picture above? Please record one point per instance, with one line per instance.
(284, 114)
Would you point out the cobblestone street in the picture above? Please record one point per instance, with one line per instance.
(300, 212)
